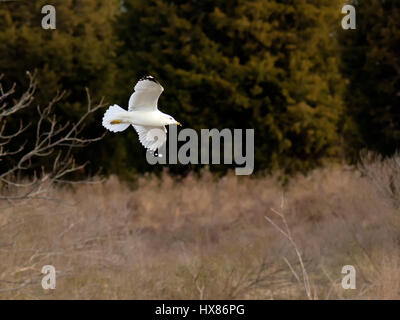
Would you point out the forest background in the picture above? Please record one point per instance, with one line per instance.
(313, 92)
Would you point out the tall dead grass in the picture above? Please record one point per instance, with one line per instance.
(207, 238)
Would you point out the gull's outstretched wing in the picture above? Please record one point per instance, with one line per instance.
(146, 94)
(151, 138)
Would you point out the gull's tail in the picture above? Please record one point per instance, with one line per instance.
(112, 119)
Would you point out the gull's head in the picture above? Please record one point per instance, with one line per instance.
(171, 120)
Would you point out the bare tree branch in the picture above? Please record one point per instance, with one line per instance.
(286, 232)
(51, 139)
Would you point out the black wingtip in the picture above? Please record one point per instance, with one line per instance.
(150, 78)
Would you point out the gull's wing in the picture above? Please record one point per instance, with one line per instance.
(146, 94)
(151, 138)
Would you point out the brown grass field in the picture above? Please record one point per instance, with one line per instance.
(203, 237)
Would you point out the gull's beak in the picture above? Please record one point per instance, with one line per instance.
(179, 124)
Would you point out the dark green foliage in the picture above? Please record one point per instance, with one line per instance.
(265, 64)
(79, 53)
(371, 58)
(259, 64)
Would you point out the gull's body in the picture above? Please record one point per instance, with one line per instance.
(141, 118)
(142, 114)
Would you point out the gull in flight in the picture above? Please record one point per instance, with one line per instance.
(142, 114)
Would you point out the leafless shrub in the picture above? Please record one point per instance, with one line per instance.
(205, 238)
(384, 174)
(52, 139)
(303, 280)
(123, 243)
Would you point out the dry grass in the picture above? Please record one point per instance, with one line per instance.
(202, 238)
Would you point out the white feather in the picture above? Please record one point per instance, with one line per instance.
(151, 138)
(115, 113)
(146, 94)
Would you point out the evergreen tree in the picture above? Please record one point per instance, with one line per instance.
(371, 63)
(79, 53)
(268, 65)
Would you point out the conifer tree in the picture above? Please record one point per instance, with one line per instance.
(80, 53)
(371, 63)
(268, 65)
